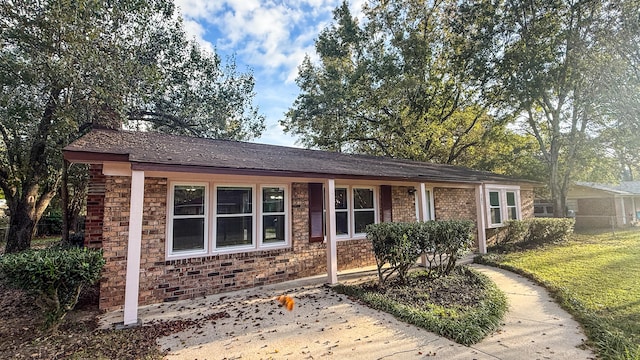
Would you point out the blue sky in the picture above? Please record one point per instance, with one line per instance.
(270, 38)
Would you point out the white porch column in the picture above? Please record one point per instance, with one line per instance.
(481, 219)
(133, 248)
(423, 213)
(332, 253)
(624, 211)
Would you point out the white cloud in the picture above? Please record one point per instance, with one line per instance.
(269, 36)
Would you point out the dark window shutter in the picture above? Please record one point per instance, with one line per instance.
(316, 228)
(385, 200)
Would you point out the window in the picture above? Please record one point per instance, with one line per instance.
(228, 220)
(355, 209)
(503, 204)
(273, 215)
(512, 212)
(494, 207)
(188, 218)
(364, 212)
(342, 212)
(234, 216)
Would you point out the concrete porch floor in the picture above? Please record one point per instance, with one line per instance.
(324, 323)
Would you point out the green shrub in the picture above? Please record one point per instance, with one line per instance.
(549, 230)
(529, 233)
(395, 244)
(400, 245)
(446, 242)
(55, 276)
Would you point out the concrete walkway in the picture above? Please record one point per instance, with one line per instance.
(325, 324)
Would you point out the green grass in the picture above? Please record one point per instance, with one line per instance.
(453, 318)
(596, 277)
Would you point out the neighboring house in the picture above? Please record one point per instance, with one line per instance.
(603, 205)
(181, 217)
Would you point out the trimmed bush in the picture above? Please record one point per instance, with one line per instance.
(529, 233)
(400, 245)
(54, 277)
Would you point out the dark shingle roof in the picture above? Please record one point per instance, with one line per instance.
(147, 149)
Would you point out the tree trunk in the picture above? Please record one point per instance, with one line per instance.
(22, 227)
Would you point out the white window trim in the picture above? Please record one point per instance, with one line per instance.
(211, 223)
(352, 235)
(285, 212)
(215, 216)
(504, 209)
(171, 217)
(346, 236)
(352, 212)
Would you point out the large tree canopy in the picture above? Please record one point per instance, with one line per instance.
(397, 84)
(67, 64)
(564, 68)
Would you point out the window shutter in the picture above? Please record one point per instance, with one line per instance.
(316, 227)
(385, 203)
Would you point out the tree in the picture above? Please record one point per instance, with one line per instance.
(66, 65)
(396, 86)
(554, 67)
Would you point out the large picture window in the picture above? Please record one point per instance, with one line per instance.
(227, 220)
(503, 204)
(188, 218)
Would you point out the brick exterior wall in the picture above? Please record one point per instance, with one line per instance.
(454, 204)
(95, 207)
(403, 204)
(526, 204)
(164, 280)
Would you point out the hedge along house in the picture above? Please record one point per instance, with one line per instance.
(181, 217)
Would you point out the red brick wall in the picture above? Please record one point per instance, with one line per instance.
(403, 204)
(170, 280)
(454, 204)
(526, 204)
(95, 207)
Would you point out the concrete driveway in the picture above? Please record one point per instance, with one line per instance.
(325, 324)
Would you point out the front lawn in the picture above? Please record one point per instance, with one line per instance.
(596, 277)
(464, 306)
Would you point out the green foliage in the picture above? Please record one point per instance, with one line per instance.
(565, 70)
(400, 244)
(54, 277)
(528, 233)
(466, 325)
(66, 66)
(397, 84)
(590, 277)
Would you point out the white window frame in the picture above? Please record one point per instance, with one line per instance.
(504, 208)
(346, 211)
(211, 217)
(171, 217)
(352, 212)
(352, 235)
(261, 215)
(215, 216)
